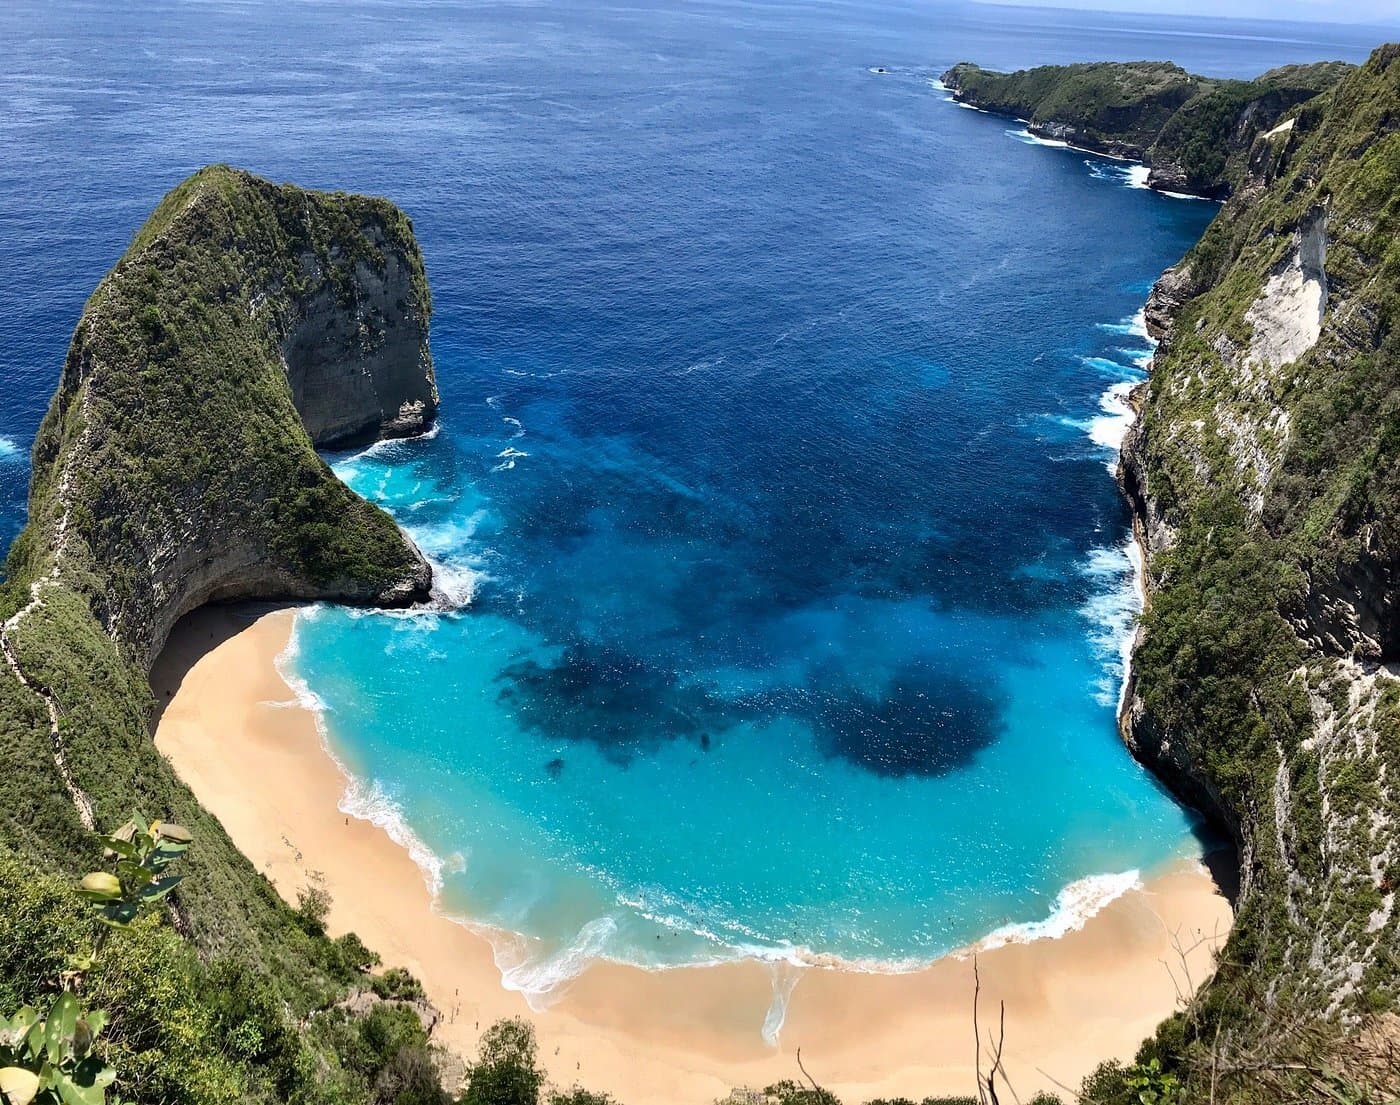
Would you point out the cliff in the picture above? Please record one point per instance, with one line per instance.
(1194, 133)
(1264, 474)
(247, 323)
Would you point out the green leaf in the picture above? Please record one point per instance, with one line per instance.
(58, 1033)
(100, 886)
(117, 846)
(119, 914)
(33, 1043)
(13, 1031)
(171, 834)
(160, 888)
(134, 874)
(92, 1071)
(70, 1093)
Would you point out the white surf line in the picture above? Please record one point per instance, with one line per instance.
(80, 799)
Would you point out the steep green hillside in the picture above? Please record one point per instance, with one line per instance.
(173, 467)
(1265, 473)
(1195, 133)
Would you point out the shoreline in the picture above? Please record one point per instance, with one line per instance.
(254, 756)
(937, 84)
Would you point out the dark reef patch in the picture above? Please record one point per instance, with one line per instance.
(612, 698)
(926, 722)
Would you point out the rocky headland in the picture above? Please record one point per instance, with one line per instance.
(1194, 133)
(246, 324)
(1262, 476)
(250, 322)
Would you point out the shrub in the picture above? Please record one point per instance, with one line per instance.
(506, 1070)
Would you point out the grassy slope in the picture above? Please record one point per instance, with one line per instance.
(172, 405)
(1300, 738)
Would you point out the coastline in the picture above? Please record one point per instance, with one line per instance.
(1059, 143)
(236, 734)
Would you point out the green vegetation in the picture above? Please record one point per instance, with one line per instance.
(51, 1061)
(1109, 104)
(1274, 495)
(174, 413)
(173, 467)
(1195, 132)
(172, 446)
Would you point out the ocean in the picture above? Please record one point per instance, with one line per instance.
(790, 589)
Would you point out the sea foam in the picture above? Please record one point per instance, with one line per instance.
(367, 802)
(1112, 612)
(1074, 906)
(1110, 428)
(543, 979)
(1024, 135)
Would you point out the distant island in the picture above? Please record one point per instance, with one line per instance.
(249, 323)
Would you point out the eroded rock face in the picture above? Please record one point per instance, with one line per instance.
(1287, 316)
(361, 370)
(248, 323)
(1169, 294)
(1262, 480)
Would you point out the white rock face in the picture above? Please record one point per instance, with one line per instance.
(1287, 316)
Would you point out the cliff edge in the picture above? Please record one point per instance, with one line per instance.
(246, 324)
(1264, 475)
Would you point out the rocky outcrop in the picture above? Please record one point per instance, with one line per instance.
(1169, 294)
(362, 374)
(177, 465)
(1286, 318)
(247, 323)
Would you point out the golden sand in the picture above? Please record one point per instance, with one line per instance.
(232, 730)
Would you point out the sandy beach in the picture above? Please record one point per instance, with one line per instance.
(232, 729)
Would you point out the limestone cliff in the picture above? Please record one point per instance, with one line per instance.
(176, 466)
(1264, 473)
(247, 323)
(1194, 133)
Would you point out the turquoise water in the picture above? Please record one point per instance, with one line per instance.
(774, 504)
(786, 585)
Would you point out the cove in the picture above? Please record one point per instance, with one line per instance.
(793, 581)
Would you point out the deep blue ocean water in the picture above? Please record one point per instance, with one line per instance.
(779, 402)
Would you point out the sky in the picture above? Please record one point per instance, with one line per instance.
(1383, 12)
